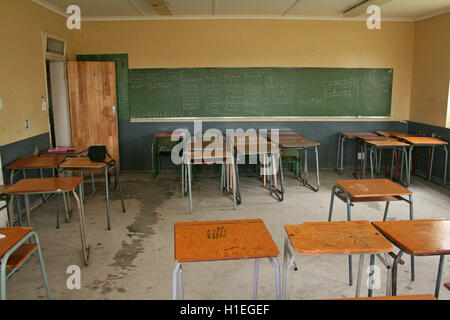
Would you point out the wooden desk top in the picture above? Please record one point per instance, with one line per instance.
(82, 163)
(199, 144)
(397, 134)
(337, 237)
(3, 189)
(348, 134)
(291, 143)
(214, 154)
(418, 237)
(254, 146)
(44, 185)
(386, 143)
(75, 152)
(223, 240)
(405, 297)
(13, 235)
(363, 188)
(424, 141)
(169, 135)
(36, 162)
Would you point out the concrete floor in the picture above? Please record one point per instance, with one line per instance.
(135, 259)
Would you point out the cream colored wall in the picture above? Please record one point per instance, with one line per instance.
(22, 68)
(431, 71)
(258, 43)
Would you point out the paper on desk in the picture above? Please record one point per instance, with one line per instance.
(2, 236)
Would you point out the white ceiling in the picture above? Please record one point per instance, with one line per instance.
(410, 10)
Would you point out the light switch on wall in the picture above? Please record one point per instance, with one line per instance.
(1, 103)
(43, 104)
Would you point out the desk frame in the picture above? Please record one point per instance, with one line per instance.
(3, 262)
(79, 200)
(111, 164)
(343, 194)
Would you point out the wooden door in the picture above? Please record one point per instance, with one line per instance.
(93, 105)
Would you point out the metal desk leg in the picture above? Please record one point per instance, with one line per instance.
(338, 152)
(358, 280)
(409, 167)
(107, 197)
(255, 279)
(182, 180)
(190, 185)
(175, 280)
(84, 244)
(333, 192)
(349, 218)
(371, 162)
(411, 217)
(371, 272)
(274, 261)
(27, 209)
(41, 263)
(386, 210)
(439, 275)
(288, 260)
(394, 273)
(238, 184)
(233, 170)
(117, 179)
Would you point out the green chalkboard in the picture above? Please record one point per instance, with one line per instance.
(259, 92)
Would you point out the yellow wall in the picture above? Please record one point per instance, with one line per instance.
(22, 68)
(431, 71)
(258, 43)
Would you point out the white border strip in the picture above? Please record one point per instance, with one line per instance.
(259, 119)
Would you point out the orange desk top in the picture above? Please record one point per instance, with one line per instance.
(363, 188)
(387, 143)
(77, 151)
(167, 135)
(223, 240)
(13, 235)
(418, 237)
(199, 144)
(424, 141)
(205, 155)
(3, 189)
(36, 162)
(44, 185)
(337, 237)
(398, 134)
(291, 143)
(82, 163)
(358, 134)
(405, 297)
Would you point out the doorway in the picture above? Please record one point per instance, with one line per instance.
(58, 103)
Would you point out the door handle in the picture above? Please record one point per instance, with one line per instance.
(114, 110)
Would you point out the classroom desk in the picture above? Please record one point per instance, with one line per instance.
(36, 162)
(362, 140)
(342, 137)
(53, 185)
(3, 196)
(416, 142)
(370, 190)
(428, 237)
(393, 145)
(302, 144)
(220, 241)
(256, 145)
(332, 238)
(84, 163)
(14, 252)
(218, 156)
(163, 144)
